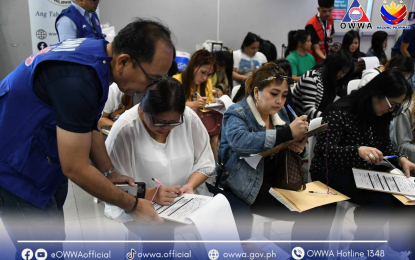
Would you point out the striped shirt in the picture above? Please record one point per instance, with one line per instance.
(308, 93)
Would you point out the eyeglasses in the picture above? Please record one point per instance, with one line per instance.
(95, 1)
(159, 124)
(392, 108)
(152, 81)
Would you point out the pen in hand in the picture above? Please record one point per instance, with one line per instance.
(159, 183)
(292, 111)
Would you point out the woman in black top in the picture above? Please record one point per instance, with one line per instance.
(351, 43)
(358, 136)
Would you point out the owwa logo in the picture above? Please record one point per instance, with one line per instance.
(355, 14)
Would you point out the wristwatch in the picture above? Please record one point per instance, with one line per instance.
(108, 172)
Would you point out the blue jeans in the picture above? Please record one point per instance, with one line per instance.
(24, 221)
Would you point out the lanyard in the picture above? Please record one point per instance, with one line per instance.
(323, 26)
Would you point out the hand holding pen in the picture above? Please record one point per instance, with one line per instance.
(165, 195)
(299, 126)
(202, 101)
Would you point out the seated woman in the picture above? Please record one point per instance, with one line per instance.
(222, 79)
(247, 59)
(403, 133)
(161, 138)
(318, 88)
(299, 42)
(198, 85)
(379, 44)
(351, 43)
(254, 125)
(400, 63)
(358, 137)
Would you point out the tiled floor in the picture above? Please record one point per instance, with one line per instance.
(85, 220)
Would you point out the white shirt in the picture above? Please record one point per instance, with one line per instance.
(245, 65)
(114, 99)
(135, 153)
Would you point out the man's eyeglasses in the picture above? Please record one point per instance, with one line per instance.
(392, 108)
(159, 124)
(152, 81)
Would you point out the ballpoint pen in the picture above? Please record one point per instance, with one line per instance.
(197, 93)
(292, 111)
(323, 192)
(161, 184)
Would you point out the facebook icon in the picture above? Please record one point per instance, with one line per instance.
(27, 254)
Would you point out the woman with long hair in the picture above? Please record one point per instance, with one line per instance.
(379, 44)
(318, 88)
(351, 43)
(198, 85)
(247, 59)
(254, 125)
(299, 42)
(358, 137)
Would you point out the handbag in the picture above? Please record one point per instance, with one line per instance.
(290, 173)
(212, 120)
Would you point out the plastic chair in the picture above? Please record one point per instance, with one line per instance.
(353, 85)
(235, 90)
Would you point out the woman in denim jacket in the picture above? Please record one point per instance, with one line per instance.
(254, 125)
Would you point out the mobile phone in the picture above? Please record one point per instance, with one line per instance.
(139, 190)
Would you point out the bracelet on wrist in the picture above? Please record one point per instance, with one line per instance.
(134, 207)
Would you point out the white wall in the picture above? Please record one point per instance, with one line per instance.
(191, 21)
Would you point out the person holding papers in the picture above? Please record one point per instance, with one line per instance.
(163, 139)
(358, 137)
(198, 85)
(254, 125)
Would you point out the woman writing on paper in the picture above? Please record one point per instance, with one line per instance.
(358, 137)
(198, 85)
(161, 138)
(254, 125)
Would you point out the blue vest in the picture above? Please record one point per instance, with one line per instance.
(84, 29)
(29, 159)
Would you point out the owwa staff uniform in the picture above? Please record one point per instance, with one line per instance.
(33, 188)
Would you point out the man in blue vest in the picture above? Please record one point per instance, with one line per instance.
(49, 109)
(79, 21)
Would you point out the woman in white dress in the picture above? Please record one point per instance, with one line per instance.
(161, 138)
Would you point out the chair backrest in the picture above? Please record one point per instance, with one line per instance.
(235, 90)
(353, 85)
(316, 122)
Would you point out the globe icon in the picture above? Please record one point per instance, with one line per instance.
(41, 34)
(213, 254)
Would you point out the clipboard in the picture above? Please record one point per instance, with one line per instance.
(285, 145)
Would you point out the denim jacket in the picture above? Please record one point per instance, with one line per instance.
(244, 133)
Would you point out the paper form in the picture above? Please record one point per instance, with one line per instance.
(182, 207)
(385, 182)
